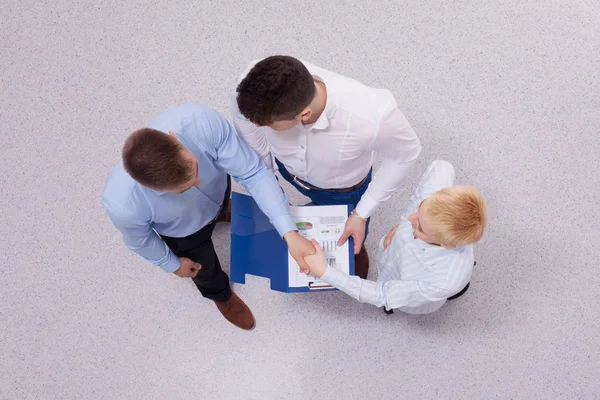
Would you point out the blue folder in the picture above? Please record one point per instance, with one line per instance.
(257, 249)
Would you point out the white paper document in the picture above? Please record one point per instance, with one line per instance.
(325, 224)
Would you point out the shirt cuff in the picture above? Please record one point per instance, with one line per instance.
(284, 224)
(366, 206)
(172, 264)
(329, 276)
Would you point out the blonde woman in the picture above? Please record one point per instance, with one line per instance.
(426, 258)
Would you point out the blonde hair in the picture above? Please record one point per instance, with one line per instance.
(459, 214)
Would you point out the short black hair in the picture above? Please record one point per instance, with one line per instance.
(276, 89)
(154, 159)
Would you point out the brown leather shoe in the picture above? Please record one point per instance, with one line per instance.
(225, 215)
(237, 312)
(361, 263)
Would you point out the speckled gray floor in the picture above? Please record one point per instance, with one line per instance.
(509, 93)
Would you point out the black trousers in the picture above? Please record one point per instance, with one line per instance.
(212, 282)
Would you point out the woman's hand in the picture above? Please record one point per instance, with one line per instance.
(317, 263)
(389, 237)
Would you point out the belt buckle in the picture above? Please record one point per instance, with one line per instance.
(302, 185)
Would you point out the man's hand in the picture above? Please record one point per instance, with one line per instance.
(299, 248)
(317, 263)
(188, 268)
(389, 237)
(355, 227)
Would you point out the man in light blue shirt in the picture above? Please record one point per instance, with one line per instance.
(172, 185)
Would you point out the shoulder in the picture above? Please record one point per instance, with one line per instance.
(194, 121)
(459, 267)
(177, 116)
(362, 101)
(448, 275)
(246, 70)
(122, 194)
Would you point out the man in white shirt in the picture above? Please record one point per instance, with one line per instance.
(426, 258)
(320, 130)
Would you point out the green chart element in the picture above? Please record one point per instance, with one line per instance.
(304, 226)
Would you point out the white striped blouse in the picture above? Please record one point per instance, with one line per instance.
(414, 276)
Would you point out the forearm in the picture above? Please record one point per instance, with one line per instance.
(362, 290)
(386, 181)
(140, 238)
(154, 250)
(391, 294)
(271, 199)
(239, 160)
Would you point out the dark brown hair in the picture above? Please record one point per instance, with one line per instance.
(278, 88)
(155, 159)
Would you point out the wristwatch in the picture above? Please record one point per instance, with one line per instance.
(357, 215)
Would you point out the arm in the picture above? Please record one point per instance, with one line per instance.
(391, 294)
(142, 239)
(397, 141)
(439, 174)
(243, 164)
(253, 135)
(400, 146)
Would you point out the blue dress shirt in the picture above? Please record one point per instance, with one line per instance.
(140, 212)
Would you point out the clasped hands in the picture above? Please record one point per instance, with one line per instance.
(315, 263)
(309, 255)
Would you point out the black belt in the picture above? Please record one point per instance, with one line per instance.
(307, 186)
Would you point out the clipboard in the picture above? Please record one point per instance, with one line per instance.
(257, 249)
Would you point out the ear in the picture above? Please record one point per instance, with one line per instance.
(305, 114)
(172, 135)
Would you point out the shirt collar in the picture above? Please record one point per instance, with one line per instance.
(158, 192)
(323, 121)
(426, 253)
(430, 254)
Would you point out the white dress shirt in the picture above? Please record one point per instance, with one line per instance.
(337, 150)
(414, 276)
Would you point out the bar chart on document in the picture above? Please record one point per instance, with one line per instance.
(325, 224)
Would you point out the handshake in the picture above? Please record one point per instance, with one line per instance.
(309, 255)
(315, 264)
